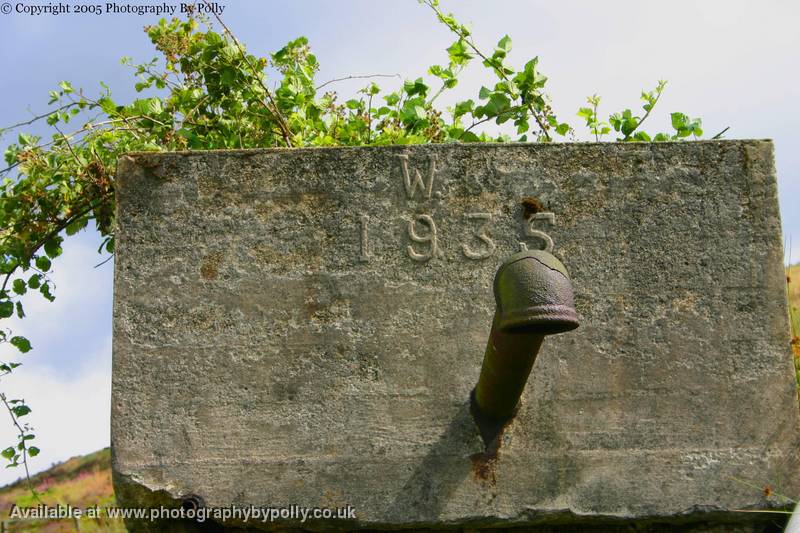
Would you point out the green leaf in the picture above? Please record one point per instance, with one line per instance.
(45, 291)
(35, 281)
(147, 106)
(9, 453)
(76, 225)
(20, 410)
(462, 108)
(33, 451)
(392, 98)
(6, 309)
(227, 76)
(498, 104)
(678, 120)
(416, 87)
(629, 125)
(21, 343)
(53, 247)
(458, 52)
(504, 44)
(19, 286)
(43, 263)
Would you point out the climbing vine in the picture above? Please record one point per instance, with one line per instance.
(206, 91)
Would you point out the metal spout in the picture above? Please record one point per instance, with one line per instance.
(534, 299)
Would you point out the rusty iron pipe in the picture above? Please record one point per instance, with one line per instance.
(534, 298)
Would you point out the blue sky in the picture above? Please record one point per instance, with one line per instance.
(733, 63)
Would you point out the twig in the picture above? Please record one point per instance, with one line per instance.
(718, 135)
(38, 117)
(74, 155)
(101, 263)
(22, 434)
(366, 76)
(506, 112)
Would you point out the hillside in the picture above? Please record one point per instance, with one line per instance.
(81, 482)
(793, 283)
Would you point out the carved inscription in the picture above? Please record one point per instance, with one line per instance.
(425, 240)
(531, 232)
(481, 234)
(430, 238)
(413, 179)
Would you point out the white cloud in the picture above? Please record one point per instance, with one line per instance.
(70, 416)
(66, 378)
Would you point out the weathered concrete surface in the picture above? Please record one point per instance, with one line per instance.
(283, 337)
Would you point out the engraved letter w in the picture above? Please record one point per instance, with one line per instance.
(418, 181)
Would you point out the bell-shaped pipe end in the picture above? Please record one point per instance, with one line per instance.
(534, 295)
